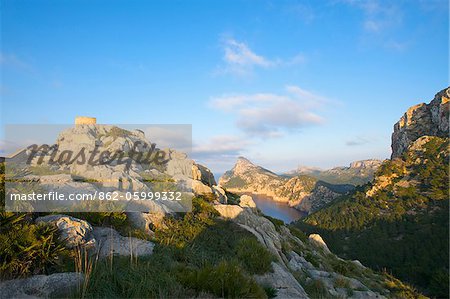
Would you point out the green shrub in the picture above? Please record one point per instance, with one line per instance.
(255, 258)
(226, 280)
(271, 292)
(298, 233)
(27, 248)
(152, 277)
(232, 198)
(180, 232)
(341, 282)
(345, 268)
(316, 289)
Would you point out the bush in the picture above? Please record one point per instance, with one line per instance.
(226, 280)
(255, 258)
(316, 289)
(27, 248)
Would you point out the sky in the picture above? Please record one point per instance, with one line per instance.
(283, 83)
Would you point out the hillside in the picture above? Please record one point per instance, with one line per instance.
(217, 249)
(357, 173)
(400, 221)
(302, 192)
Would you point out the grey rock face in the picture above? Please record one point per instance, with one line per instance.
(203, 174)
(110, 242)
(422, 120)
(283, 281)
(57, 285)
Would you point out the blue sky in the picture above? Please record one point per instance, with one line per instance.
(284, 83)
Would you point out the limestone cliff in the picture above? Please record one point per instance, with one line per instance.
(422, 120)
(302, 192)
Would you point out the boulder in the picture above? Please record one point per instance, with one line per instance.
(201, 189)
(203, 174)
(110, 242)
(246, 201)
(73, 231)
(229, 211)
(261, 227)
(317, 241)
(146, 221)
(58, 285)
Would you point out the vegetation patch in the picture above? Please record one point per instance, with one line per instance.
(27, 248)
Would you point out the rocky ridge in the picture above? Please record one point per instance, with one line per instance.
(357, 173)
(301, 192)
(422, 120)
(301, 263)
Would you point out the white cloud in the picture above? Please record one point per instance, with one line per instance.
(221, 146)
(240, 60)
(271, 115)
(239, 53)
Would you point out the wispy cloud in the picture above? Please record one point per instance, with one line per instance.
(271, 115)
(13, 61)
(378, 15)
(357, 141)
(239, 59)
(380, 20)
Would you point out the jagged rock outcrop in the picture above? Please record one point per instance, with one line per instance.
(74, 232)
(318, 241)
(203, 174)
(246, 201)
(246, 177)
(58, 285)
(422, 120)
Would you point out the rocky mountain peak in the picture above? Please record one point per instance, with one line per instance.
(243, 165)
(422, 120)
(369, 163)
